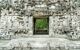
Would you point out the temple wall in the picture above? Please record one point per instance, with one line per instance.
(57, 24)
(64, 25)
(61, 23)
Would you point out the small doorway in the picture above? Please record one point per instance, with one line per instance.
(41, 26)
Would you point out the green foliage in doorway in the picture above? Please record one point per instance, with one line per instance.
(41, 24)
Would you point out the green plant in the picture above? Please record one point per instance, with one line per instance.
(41, 23)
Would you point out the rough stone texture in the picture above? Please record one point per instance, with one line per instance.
(44, 43)
(63, 19)
(57, 24)
(16, 23)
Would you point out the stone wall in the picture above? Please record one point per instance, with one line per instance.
(57, 24)
(62, 19)
(16, 24)
(64, 25)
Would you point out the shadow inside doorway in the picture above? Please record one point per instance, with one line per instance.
(41, 26)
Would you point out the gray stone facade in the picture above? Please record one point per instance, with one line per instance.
(17, 24)
(60, 22)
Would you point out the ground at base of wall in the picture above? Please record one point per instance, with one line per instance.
(54, 43)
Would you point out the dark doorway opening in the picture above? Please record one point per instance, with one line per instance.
(41, 26)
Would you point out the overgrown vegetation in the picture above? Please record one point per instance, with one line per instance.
(41, 23)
